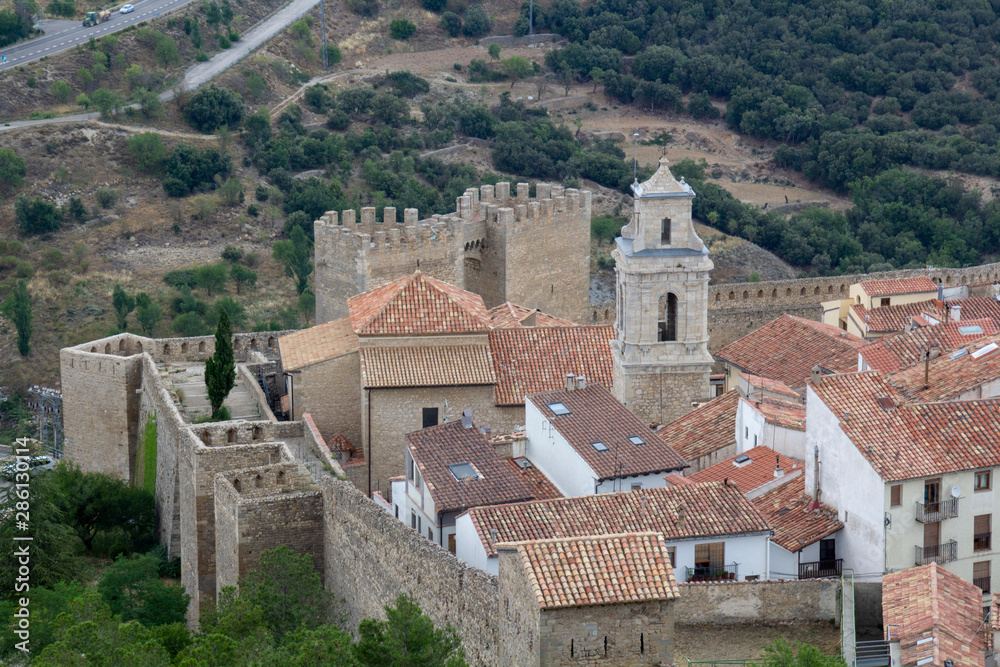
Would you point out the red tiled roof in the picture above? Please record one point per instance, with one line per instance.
(706, 429)
(677, 479)
(785, 414)
(768, 385)
(708, 510)
(787, 348)
(930, 602)
(532, 360)
(899, 286)
(509, 315)
(948, 378)
(758, 471)
(318, 343)
(976, 307)
(904, 349)
(886, 319)
(912, 441)
(540, 486)
(596, 416)
(796, 521)
(610, 569)
(417, 304)
(435, 448)
(427, 366)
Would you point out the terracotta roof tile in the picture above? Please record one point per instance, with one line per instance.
(928, 602)
(540, 486)
(427, 366)
(709, 510)
(947, 377)
(509, 315)
(318, 343)
(904, 349)
(436, 448)
(899, 286)
(785, 414)
(706, 429)
(417, 304)
(677, 479)
(532, 360)
(887, 319)
(756, 471)
(910, 441)
(597, 416)
(758, 384)
(797, 522)
(610, 569)
(787, 348)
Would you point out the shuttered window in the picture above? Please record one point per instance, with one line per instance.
(896, 495)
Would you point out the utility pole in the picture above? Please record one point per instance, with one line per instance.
(322, 19)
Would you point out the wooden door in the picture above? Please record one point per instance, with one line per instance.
(451, 543)
(932, 534)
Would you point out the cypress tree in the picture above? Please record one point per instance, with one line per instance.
(18, 308)
(220, 369)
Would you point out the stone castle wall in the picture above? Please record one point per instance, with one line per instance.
(495, 243)
(740, 602)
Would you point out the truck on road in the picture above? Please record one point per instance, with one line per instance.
(95, 17)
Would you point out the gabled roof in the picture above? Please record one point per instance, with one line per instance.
(887, 319)
(785, 414)
(786, 349)
(948, 377)
(540, 486)
(901, 350)
(706, 429)
(758, 384)
(899, 286)
(796, 519)
(703, 510)
(417, 304)
(436, 448)
(928, 602)
(750, 473)
(904, 441)
(318, 343)
(532, 360)
(426, 366)
(595, 416)
(508, 315)
(609, 569)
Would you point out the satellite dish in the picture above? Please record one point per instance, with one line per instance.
(956, 491)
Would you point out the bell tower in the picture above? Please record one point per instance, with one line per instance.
(660, 352)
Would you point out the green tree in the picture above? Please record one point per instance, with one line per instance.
(494, 51)
(83, 101)
(148, 313)
(17, 308)
(165, 51)
(220, 368)
(12, 170)
(61, 91)
(211, 277)
(212, 107)
(133, 590)
(109, 103)
(477, 21)
(85, 77)
(256, 85)
(288, 591)
(407, 637)
(516, 67)
(148, 151)
(124, 303)
(452, 23)
(37, 216)
(295, 256)
(243, 277)
(401, 29)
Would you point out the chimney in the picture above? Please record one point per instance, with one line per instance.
(816, 376)
(493, 536)
(467, 418)
(779, 472)
(581, 382)
(938, 303)
(570, 381)
(956, 313)
(681, 510)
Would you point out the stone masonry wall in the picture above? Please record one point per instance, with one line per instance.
(759, 602)
(622, 634)
(518, 609)
(332, 391)
(660, 394)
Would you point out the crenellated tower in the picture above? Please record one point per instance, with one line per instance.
(661, 358)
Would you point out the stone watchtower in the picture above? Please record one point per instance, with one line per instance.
(661, 359)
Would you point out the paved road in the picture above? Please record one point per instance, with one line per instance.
(61, 35)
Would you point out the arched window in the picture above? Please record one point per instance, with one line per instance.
(665, 231)
(667, 322)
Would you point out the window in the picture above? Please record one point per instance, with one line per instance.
(983, 479)
(666, 326)
(413, 520)
(430, 534)
(982, 532)
(932, 495)
(637, 487)
(746, 432)
(599, 446)
(430, 417)
(665, 231)
(558, 409)
(754, 439)
(709, 557)
(672, 552)
(419, 523)
(884, 301)
(981, 575)
(451, 543)
(827, 550)
(636, 440)
(896, 495)
(464, 472)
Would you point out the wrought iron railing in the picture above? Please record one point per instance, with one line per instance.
(874, 653)
(823, 568)
(981, 541)
(936, 511)
(713, 573)
(983, 583)
(941, 553)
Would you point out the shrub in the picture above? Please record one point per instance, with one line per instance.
(256, 85)
(37, 216)
(401, 29)
(452, 24)
(106, 198)
(477, 22)
(12, 170)
(201, 56)
(181, 278)
(147, 150)
(333, 55)
(338, 120)
(61, 91)
(165, 51)
(224, 42)
(363, 7)
(76, 210)
(262, 193)
(212, 107)
(188, 168)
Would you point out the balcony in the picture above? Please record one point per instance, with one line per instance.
(934, 512)
(981, 541)
(983, 583)
(710, 573)
(819, 569)
(941, 553)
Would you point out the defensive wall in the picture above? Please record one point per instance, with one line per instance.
(736, 309)
(502, 244)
